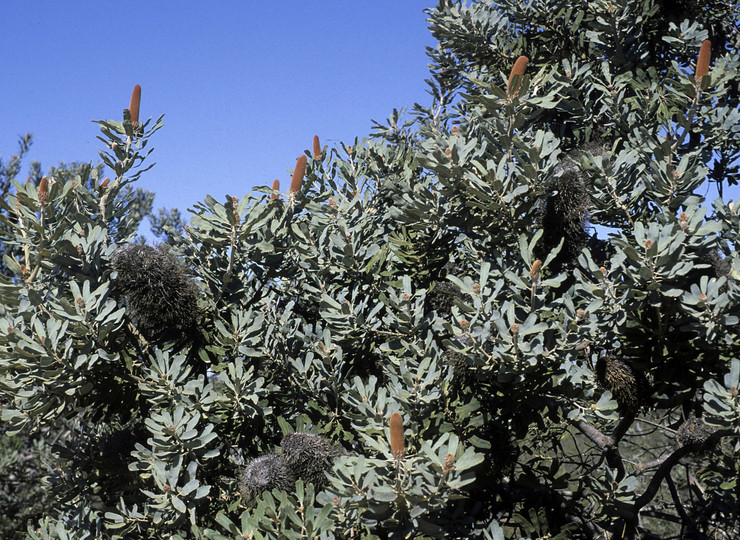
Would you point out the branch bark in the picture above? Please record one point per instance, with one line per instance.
(668, 463)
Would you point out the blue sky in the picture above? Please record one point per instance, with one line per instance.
(244, 86)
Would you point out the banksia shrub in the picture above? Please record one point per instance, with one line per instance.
(158, 290)
(520, 66)
(264, 473)
(628, 386)
(396, 435)
(298, 174)
(702, 63)
(308, 456)
(133, 107)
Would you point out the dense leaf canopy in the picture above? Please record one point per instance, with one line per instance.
(510, 313)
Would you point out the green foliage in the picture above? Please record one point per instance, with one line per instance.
(534, 282)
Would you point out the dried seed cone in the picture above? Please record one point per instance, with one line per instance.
(316, 148)
(628, 386)
(463, 369)
(396, 428)
(693, 431)
(563, 217)
(44, 191)
(133, 107)
(520, 66)
(308, 456)
(275, 187)
(161, 295)
(702, 64)
(298, 174)
(264, 473)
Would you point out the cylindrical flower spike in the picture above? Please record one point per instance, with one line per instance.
(298, 173)
(275, 187)
(396, 428)
(44, 191)
(702, 64)
(133, 107)
(316, 148)
(519, 68)
(534, 273)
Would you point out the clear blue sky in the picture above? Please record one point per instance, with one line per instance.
(244, 86)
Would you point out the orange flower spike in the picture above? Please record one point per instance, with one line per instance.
(298, 173)
(316, 148)
(44, 191)
(520, 66)
(275, 187)
(702, 64)
(133, 107)
(534, 273)
(396, 428)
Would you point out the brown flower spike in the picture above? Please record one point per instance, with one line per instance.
(316, 148)
(520, 66)
(133, 107)
(44, 191)
(396, 428)
(298, 173)
(275, 187)
(534, 273)
(702, 64)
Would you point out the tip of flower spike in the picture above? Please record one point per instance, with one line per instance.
(298, 173)
(316, 148)
(396, 429)
(133, 107)
(702, 63)
(519, 68)
(275, 187)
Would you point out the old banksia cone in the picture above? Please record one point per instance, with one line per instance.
(265, 473)
(693, 431)
(396, 429)
(161, 295)
(562, 216)
(316, 148)
(298, 173)
(628, 386)
(520, 66)
(133, 107)
(308, 456)
(702, 64)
